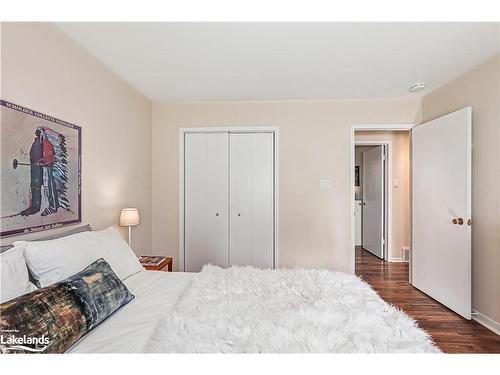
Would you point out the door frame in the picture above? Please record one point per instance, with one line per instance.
(387, 192)
(369, 127)
(255, 129)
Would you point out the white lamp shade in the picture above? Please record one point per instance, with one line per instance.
(129, 217)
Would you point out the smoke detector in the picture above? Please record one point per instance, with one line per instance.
(418, 87)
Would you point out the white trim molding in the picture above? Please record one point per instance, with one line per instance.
(486, 321)
(386, 127)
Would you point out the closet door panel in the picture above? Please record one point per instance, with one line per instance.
(263, 200)
(240, 189)
(252, 199)
(206, 200)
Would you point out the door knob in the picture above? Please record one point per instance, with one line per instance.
(458, 221)
(454, 221)
(216, 214)
(364, 203)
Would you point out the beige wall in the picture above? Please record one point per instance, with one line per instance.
(479, 88)
(400, 196)
(42, 69)
(314, 144)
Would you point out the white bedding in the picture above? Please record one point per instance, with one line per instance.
(249, 310)
(240, 310)
(130, 329)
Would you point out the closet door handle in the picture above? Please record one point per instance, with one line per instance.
(216, 214)
(239, 214)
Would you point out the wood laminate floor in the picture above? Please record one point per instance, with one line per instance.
(451, 332)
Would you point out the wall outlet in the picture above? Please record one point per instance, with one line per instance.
(325, 184)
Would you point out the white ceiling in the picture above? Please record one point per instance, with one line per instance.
(260, 61)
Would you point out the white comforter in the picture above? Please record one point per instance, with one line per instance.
(241, 310)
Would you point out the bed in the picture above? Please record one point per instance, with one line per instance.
(247, 310)
(234, 310)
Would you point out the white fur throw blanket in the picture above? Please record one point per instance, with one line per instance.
(249, 310)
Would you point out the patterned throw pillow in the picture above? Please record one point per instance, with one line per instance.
(51, 319)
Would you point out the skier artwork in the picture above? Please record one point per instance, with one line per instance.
(40, 171)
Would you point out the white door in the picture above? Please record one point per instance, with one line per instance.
(358, 213)
(251, 199)
(205, 200)
(441, 209)
(373, 200)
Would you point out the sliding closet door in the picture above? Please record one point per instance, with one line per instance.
(206, 200)
(251, 200)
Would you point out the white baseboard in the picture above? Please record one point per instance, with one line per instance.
(397, 260)
(486, 321)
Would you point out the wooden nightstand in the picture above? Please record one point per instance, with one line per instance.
(156, 263)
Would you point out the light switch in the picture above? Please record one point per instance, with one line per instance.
(325, 184)
(395, 184)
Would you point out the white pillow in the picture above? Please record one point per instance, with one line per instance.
(54, 260)
(14, 279)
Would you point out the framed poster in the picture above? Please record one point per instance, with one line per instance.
(40, 172)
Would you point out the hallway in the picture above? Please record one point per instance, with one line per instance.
(450, 332)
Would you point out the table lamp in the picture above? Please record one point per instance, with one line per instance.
(129, 217)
